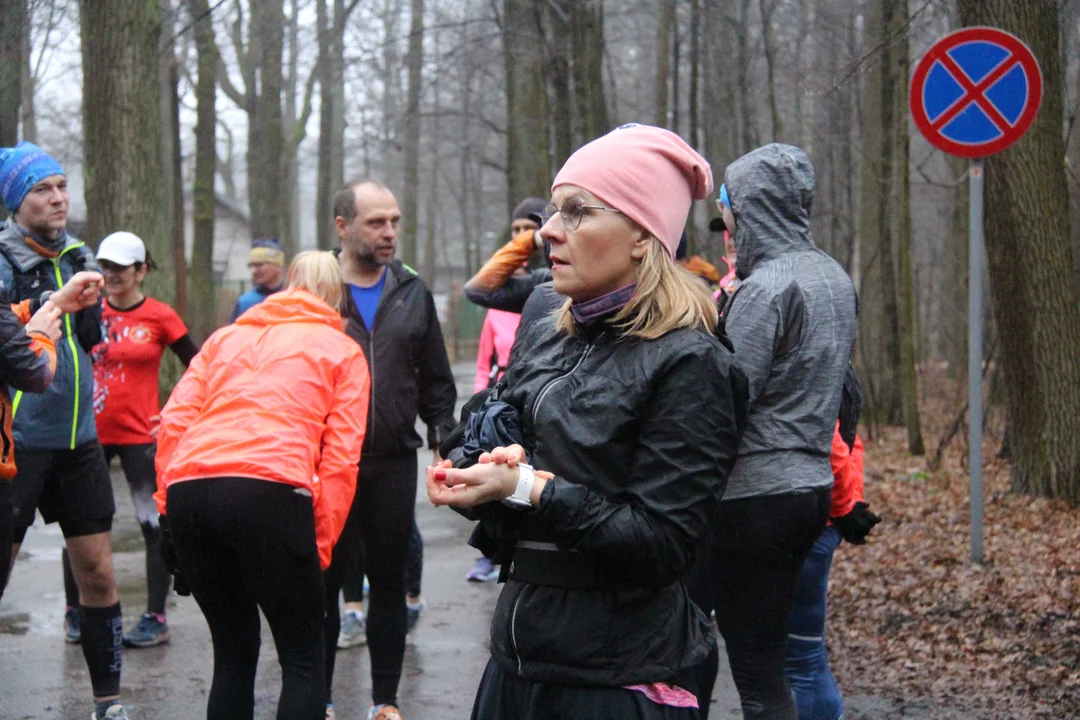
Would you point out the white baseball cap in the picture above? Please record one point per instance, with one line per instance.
(122, 248)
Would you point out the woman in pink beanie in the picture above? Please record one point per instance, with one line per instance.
(628, 409)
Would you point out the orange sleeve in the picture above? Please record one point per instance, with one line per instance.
(343, 436)
(44, 347)
(701, 267)
(483, 354)
(503, 263)
(22, 311)
(847, 466)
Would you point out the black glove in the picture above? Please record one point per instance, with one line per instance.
(857, 524)
(168, 557)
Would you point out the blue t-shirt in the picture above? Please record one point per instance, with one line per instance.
(367, 300)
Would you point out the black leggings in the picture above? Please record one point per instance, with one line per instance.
(246, 545)
(137, 462)
(380, 522)
(353, 588)
(758, 549)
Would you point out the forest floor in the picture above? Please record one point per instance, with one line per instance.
(914, 624)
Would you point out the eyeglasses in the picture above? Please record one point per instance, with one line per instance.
(572, 213)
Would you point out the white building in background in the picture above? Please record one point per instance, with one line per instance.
(232, 242)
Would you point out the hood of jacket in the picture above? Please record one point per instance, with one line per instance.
(291, 306)
(771, 190)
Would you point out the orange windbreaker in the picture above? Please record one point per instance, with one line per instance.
(847, 467)
(282, 396)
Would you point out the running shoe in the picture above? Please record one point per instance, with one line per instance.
(72, 628)
(412, 614)
(115, 712)
(353, 630)
(384, 712)
(483, 571)
(152, 630)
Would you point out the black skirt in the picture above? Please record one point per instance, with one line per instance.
(502, 696)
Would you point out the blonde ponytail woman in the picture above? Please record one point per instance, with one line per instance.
(257, 460)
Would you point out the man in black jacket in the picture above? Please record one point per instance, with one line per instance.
(391, 315)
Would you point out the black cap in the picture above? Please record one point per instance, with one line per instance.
(529, 209)
(717, 224)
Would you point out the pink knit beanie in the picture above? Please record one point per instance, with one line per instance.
(648, 173)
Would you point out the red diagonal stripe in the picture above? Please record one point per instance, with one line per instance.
(974, 93)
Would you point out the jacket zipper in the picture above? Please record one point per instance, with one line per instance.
(513, 634)
(546, 388)
(71, 344)
(383, 300)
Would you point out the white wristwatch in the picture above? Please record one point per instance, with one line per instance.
(520, 497)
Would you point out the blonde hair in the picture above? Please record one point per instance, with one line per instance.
(318, 272)
(667, 298)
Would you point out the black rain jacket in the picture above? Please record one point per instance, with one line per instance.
(410, 372)
(641, 436)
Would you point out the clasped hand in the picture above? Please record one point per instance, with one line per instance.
(492, 479)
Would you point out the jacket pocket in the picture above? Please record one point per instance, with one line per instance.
(569, 628)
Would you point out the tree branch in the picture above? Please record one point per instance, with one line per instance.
(194, 22)
(300, 127)
(887, 42)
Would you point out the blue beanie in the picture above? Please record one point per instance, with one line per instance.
(21, 168)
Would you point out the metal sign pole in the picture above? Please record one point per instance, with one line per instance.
(975, 351)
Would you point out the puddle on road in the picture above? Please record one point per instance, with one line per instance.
(16, 623)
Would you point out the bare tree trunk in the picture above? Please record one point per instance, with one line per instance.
(13, 28)
(29, 112)
(695, 65)
(1032, 269)
(906, 281)
(172, 180)
(745, 96)
(203, 298)
(528, 159)
(331, 152)
(954, 320)
(290, 221)
(266, 143)
(676, 62)
(122, 128)
(769, 43)
(879, 318)
(663, 61)
(324, 191)
(588, 47)
(559, 48)
(337, 58)
(411, 210)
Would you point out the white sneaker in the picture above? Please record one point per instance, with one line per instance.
(353, 630)
(115, 712)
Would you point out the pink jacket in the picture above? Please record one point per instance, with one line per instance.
(496, 339)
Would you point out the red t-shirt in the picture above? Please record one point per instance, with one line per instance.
(126, 365)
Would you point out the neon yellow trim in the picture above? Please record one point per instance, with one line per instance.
(409, 269)
(71, 343)
(15, 403)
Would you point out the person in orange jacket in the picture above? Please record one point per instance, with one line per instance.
(257, 468)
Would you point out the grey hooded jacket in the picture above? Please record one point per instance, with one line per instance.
(792, 322)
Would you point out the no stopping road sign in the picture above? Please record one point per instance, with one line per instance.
(975, 92)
